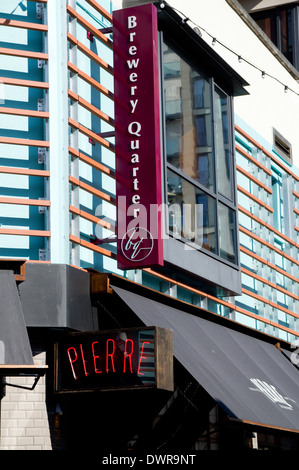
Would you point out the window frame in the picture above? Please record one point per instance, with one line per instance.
(215, 194)
(276, 31)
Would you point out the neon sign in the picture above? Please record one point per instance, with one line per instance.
(137, 137)
(128, 358)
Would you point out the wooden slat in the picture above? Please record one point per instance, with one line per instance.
(90, 54)
(23, 24)
(25, 202)
(219, 301)
(85, 104)
(267, 263)
(90, 161)
(91, 81)
(24, 112)
(100, 10)
(27, 142)
(89, 27)
(92, 190)
(269, 302)
(255, 199)
(91, 134)
(91, 218)
(253, 160)
(271, 247)
(253, 179)
(21, 53)
(92, 247)
(24, 171)
(268, 283)
(25, 83)
(26, 232)
(269, 227)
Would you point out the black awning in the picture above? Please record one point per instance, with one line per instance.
(249, 378)
(15, 349)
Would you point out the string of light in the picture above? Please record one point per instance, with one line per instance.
(240, 58)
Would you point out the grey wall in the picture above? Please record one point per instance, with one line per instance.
(225, 278)
(58, 296)
(14, 343)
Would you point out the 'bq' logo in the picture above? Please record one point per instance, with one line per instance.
(137, 244)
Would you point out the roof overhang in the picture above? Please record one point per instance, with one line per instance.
(185, 38)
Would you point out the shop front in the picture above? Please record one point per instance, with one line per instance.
(162, 376)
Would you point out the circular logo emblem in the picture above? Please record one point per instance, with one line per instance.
(137, 244)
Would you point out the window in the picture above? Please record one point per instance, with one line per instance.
(199, 158)
(277, 200)
(282, 147)
(281, 26)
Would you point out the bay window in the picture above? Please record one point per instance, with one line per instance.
(197, 87)
(199, 158)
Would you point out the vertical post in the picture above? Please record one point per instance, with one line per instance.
(2, 391)
(74, 142)
(58, 132)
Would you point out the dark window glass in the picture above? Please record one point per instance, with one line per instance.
(200, 181)
(188, 120)
(227, 233)
(222, 143)
(280, 25)
(192, 213)
(286, 36)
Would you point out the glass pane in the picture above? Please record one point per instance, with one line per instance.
(268, 25)
(227, 233)
(192, 213)
(188, 119)
(286, 33)
(222, 142)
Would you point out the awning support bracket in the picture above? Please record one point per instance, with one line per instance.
(3, 384)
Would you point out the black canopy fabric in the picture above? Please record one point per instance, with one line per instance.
(249, 378)
(14, 342)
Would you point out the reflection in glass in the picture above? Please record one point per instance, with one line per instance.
(188, 119)
(286, 33)
(192, 213)
(222, 143)
(199, 152)
(227, 233)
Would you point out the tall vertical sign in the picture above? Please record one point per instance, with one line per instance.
(137, 137)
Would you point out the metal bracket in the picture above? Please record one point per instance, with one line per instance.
(2, 388)
(41, 105)
(41, 63)
(42, 254)
(106, 30)
(102, 241)
(7, 384)
(39, 11)
(89, 36)
(41, 155)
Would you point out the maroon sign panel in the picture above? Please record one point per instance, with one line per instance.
(137, 137)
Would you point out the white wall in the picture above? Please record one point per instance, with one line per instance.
(268, 105)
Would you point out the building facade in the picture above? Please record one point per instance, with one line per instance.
(230, 151)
